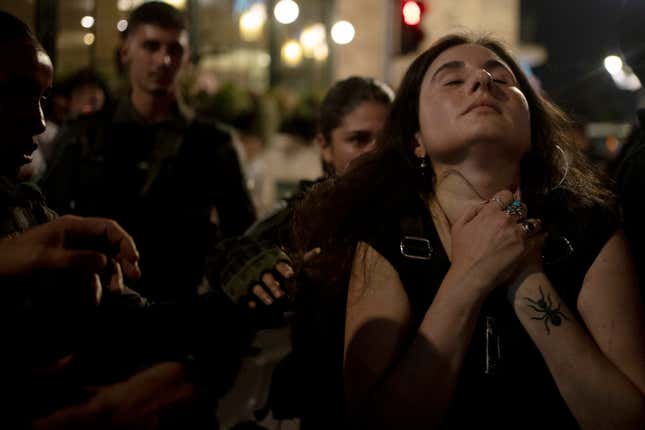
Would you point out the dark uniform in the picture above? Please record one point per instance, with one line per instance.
(175, 186)
(46, 317)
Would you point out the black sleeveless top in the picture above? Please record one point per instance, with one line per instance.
(519, 392)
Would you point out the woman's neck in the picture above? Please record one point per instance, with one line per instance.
(458, 189)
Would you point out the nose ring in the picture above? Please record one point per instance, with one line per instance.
(489, 77)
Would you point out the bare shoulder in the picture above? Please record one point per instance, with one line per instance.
(377, 319)
(372, 274)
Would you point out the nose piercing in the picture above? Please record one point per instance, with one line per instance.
(489, 77)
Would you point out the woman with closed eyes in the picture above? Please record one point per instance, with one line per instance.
(473, 274)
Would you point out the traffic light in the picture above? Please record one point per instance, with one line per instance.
(411, 33)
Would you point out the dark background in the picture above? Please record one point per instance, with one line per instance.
(578, 35)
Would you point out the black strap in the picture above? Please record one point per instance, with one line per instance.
(423, 268)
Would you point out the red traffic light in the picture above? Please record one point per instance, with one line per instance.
(411, 12)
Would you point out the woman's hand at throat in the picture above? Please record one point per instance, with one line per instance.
(492, 244)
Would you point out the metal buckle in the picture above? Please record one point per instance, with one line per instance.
(416, 248)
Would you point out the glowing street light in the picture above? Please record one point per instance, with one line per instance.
(88, 39)
(286, 11)
(613, 64)
(87, 21)
(124, 5)
(321, 52)
(343, 32)
(311, 37)
(122, 25)
(179, 4)
(252, 21)
(622, 74)
(291, 53)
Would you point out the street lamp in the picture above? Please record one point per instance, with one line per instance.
(343, 32)
(613, 64)
(311, 37)
(621, 74)
(286, 11)
(122, 25)
(252, 21)
(291, 53)
(87, 21)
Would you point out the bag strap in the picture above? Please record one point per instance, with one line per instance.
(422, 262)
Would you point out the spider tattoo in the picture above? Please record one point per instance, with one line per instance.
(548, 313)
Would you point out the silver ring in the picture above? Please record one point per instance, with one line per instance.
(516, 208)
(527, 227)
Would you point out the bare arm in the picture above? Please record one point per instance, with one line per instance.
(138, 402)
(600, 374)
(391, 383)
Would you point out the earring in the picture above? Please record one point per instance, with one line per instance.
(423, 165)
(566, 167)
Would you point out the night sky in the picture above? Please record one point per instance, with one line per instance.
(578, 34)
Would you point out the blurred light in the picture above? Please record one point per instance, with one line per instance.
(411, 13)
(88, 39)
(342, 32)
(128, 5)
(122, 25)
(311, 37)
(87, 21)
(626, 80)
(179, 4)
(124, 5)
(612, 145)
(252, 21)
(286, 11)
(264, 60)
(321, 52)
(291, 53)
(622, 74)
(613, 64)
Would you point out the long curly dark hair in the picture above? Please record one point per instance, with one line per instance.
(337, 213)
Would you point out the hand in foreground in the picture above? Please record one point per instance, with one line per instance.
(137, 403)
(72, 245)
(58, 245)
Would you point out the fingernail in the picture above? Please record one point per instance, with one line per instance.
(268, 301)
(278, 291)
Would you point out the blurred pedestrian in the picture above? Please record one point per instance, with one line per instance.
(168, 179)
(82, 350)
